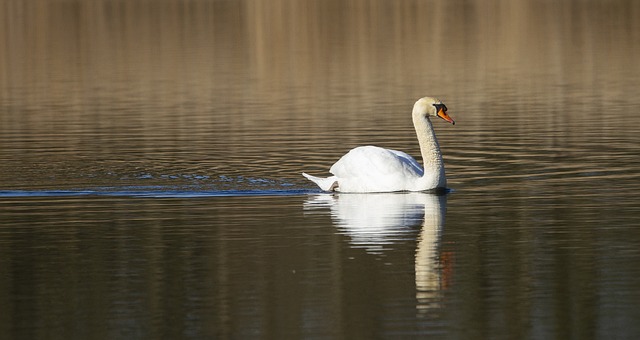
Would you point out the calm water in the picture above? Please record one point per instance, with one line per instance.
(150, 159)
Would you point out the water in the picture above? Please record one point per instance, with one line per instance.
(150, 159)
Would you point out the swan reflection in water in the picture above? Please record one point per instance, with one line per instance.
(376, 221)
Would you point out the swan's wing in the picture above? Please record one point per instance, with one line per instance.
(408, 162)
(373, 162)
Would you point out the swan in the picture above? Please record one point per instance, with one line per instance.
(375, 169)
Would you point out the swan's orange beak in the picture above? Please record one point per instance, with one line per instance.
(445, 116)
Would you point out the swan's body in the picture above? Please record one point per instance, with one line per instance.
(375, 169)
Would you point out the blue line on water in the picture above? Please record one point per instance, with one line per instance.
(153, 193)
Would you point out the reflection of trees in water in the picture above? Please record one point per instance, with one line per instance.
(216, 53)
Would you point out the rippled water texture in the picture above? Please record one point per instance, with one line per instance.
(151, 151)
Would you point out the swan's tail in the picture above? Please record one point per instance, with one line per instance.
(326, 184)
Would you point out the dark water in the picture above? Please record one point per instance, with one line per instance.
(150, 159)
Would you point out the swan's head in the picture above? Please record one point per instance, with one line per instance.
(428, 106)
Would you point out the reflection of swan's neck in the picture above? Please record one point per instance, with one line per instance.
(429, 275)
(430, 150)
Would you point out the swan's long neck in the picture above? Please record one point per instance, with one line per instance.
(430, 150)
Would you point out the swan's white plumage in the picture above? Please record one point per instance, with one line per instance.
(326, 184)
(375, 169)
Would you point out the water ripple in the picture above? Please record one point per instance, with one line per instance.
(151, 192)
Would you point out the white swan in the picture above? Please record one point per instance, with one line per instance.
(375, 169)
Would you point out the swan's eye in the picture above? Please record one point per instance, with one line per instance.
(440, 107)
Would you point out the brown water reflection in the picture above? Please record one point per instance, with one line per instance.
(150, 159)
(175, 56)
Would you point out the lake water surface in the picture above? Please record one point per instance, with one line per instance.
(151, 151)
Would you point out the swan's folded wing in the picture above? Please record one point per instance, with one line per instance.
(409, 164)
(374, 162)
